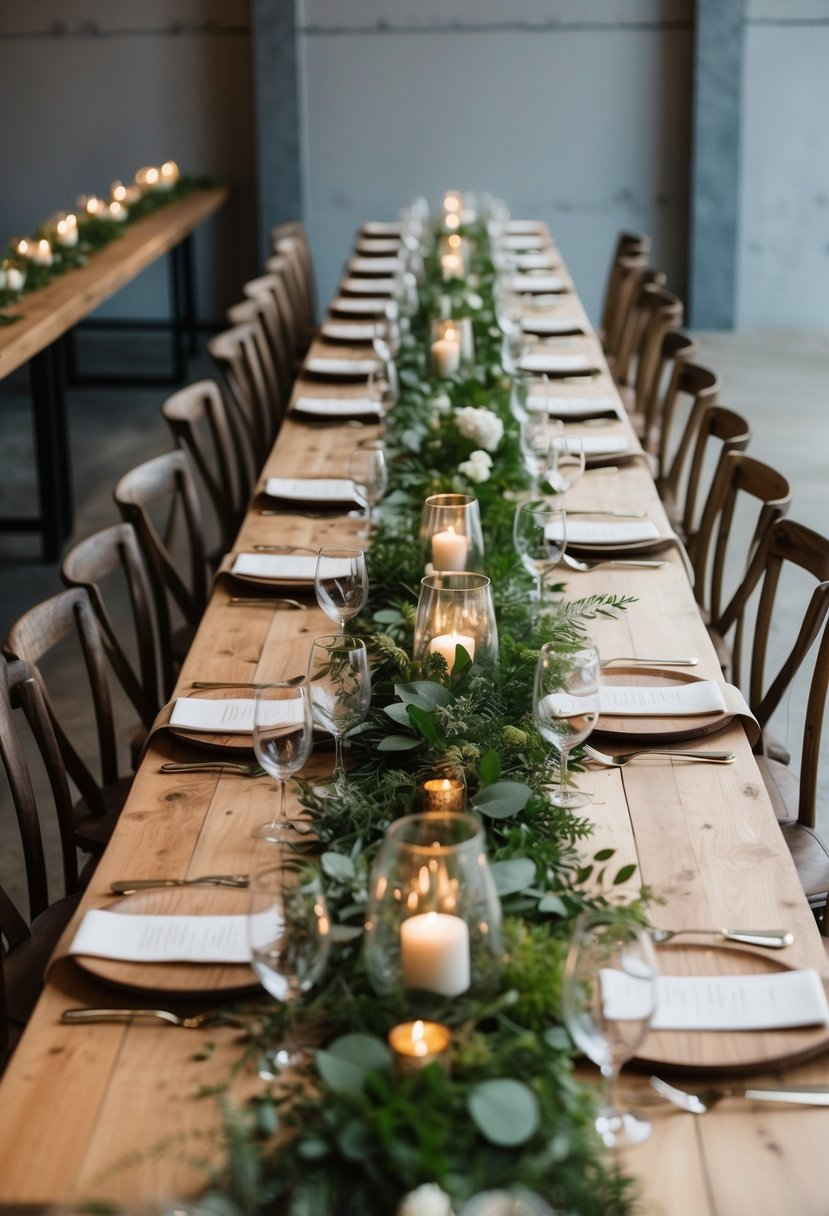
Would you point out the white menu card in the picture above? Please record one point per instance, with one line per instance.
(162, 939)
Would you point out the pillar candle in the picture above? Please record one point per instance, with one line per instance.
(446, 354)
(445, 644)
(435, 953)
(449, 550)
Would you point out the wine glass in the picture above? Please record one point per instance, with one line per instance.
(341, 583)
(339, 679)
(282, 735)
(565, 463)
(609, 996)
(535, 435)
(566, 706)
(528, 390)
(367, 469)
(289, 934)
(539, 534)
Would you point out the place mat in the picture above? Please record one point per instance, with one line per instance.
(735, 1050)
(369, 287)
(345, 331)
(379, 266)
(354, 306)
(221, 940)
(326, 490)
(560, 324)
(558, 363)
(337, 407)
(340, 369)
(533, 284)
(667, 685)
(578, 408)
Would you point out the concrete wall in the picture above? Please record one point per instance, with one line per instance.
(578, 114)
(90, 91)
(783, 265)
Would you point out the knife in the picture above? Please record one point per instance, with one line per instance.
(127, 886)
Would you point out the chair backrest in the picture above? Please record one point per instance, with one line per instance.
(738, 477)
(164, 487)
(661, 314)
(253, 311)
(18, 689)
(636, 316)
(291, 239)
(289, 305)
(137, 666)
(688, 384)
(677, 348)
(277, 318)
(786, 543)
(37, 634)
(218, 447)
(631, 250)
(236, 354)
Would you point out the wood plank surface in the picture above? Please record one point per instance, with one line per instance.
(704, 837)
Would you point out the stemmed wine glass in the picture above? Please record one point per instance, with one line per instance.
(341, 583)
(339, 679)
(565, 463)
(282, 735)
(609, 996)
(566, 706)
(539, 534)
(289, 933)
(535, 436)
(367, 469)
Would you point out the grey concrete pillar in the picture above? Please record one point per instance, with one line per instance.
(278, 145)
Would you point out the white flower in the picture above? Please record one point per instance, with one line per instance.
(474, 300)
(427, 1200)
(478, 467)
(481, 425)
(440, 403)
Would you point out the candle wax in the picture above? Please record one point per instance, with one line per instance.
(449, 550)
(445, 644)
(435, 953)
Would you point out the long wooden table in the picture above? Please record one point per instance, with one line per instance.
(48, 315)
(85, 1111)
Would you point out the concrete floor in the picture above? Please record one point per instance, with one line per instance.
(778, 379)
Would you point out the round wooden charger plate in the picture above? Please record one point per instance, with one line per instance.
(627, 729)
(725, 1050)
(177, 979)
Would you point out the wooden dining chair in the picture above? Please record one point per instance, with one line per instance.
(741, 485)
(660, 312)
(58, 634)
(688, 385)
(625, 360)
(253, 310)
(236, 354)
(710, 431)
(111, 567)
(291, 240)
(280, 324)
(678, 348)
(159, 499)
(630, 252)
(219, 448)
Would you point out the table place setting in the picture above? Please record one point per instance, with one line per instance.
(536, 282)
(328, 490)
(162, 939)
(377, 247)
(556, 362)
(298, 568)
(369, 306)
(336, 409)
(347, 331)
(552, 324)
(353, 286)
(584, 534)
(536, 261)
(227, 716)
(341, 369)
(382, 267)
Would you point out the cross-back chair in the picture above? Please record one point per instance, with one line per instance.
(630, 253)
(159, 499)
(291, 240)
(710, 431)
(660, 312)
(277, 321)
(623, 362)
(678, 347)
(236, 354)
(253, 310)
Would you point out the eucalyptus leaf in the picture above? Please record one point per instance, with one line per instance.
(388, 616)
(502, 799)
(624, 874)
(397, 711)
(558, 1038)
(345, 1063)
(338, 866)
(423, 721)
(553, 904)
(513, 875)
(398, 743)
(489, 769)
(505, 1111)
(426, 694)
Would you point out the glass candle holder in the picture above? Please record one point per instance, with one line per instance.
(416, 1045)
(445, 349)
(433, 922)
(450, 533)
(456, 610)
(444, 794)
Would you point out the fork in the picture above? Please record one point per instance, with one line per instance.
(615, 514)
(625, 757)
(301, 514)
(213, 1017)
(771, 939)
(689, 662)
(128, 886)
(698, 1104)
(213, 766)
(265, 601)
(638, 563)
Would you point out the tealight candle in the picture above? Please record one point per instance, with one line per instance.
(118, 212)
(444, 794)
(451, 265)
(168, 175)
(39, 253)
(12, 276)
(452, 220)
(434, 950)
(446, 353)
(445, 644)
(147, 178)
(415, 1045)
(451, 202)
(66, 231)
(449, 550)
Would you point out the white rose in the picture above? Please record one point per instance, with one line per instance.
(478, 467)
(427, 1200)
(481, 425)
(474, 300)
(440, 403)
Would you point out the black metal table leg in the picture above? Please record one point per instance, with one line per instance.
(54, 476)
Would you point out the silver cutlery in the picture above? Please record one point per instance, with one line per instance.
(689, 662)
(625, 758)
(771, 939)
(283, 549)
(78, 1017)
(235, 683)
(635, 563)
(607, 468)
(264, 601)
(617, 514)
(698, 1104)
(126, 886)
(301, 514)
(214, 766)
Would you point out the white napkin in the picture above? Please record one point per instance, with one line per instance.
(342, 367)
(522, 227)
(318, 489)
(337, 407)
(550, 325)
(294, 567)
(556, 361)
(381, 228)
(571, 407)
(599, 445)
(370, 287)
(377, 266)
(348, 331)
(162, 939)
(534, 283)
(229, 716)
(537, 261)
(588, 532)
(661, 700)
(369, 307)
(521, 240)
(379, 246)
(719, 1002)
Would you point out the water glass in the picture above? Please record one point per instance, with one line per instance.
(539, 534)
(565, 463)
(368, 471)
(341, 583)
(566, 706)
(339, 679)
(282, 736)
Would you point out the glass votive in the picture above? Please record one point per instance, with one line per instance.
(416, 1045)
(456, 609)
(444, 794)
(12, 275)
(445, 349)
(450, 535)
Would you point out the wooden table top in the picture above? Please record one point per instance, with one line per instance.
(47, 314)
(85, 1111)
